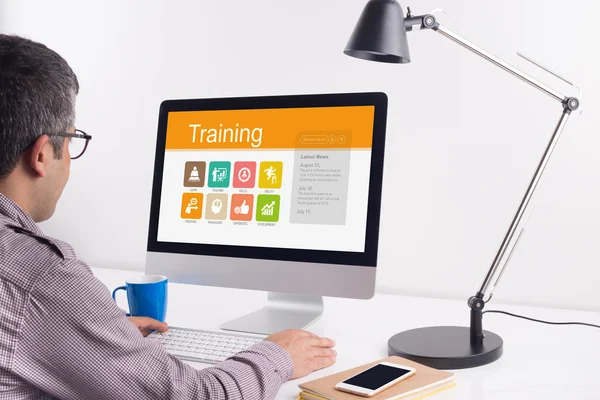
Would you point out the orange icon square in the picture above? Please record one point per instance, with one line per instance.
(191, 206)
(241, 207)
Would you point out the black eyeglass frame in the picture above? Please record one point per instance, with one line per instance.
(81, 135)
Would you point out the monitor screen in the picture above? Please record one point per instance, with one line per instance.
(295, 177)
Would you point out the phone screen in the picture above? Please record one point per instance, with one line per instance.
(376, 376)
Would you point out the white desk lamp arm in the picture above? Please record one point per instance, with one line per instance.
(569, 104)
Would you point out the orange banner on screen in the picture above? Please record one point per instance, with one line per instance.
(281, 128)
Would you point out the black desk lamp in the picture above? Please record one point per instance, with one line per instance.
(380, 35)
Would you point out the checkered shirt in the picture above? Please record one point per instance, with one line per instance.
(62, 336)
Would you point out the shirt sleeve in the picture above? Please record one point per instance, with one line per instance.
(76, 343)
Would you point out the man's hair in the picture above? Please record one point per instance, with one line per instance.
(37, 96)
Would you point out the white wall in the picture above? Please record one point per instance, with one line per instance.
(463, 137)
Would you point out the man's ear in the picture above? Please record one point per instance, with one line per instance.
(38, 157)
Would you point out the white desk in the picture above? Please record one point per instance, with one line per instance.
(539, 362)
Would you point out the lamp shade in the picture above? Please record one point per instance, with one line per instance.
(379, 34)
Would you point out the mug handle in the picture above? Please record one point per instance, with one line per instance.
(115, 291)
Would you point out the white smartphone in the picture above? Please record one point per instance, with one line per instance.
(375, 379)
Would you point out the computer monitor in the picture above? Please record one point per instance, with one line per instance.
(277, 193)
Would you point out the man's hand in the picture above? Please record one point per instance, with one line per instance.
(147, 325)
(309, 352)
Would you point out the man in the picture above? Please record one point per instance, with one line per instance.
(61, 335)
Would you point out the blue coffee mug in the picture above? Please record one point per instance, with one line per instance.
(147, 296)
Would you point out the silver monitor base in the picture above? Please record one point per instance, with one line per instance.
(283, 311)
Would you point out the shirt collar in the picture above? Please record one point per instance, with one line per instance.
(11, 210)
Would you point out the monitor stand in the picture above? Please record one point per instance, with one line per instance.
(283, 311)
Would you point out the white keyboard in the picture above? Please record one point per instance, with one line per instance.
(203, 346)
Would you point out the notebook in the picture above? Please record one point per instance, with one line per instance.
(424, 383)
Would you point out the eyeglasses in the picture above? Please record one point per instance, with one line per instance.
(76, 147)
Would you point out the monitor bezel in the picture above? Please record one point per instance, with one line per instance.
(368, 258)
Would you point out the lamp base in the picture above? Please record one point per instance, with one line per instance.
(445, 347)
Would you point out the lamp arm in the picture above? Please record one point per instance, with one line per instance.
(508, 238)
(496, 61)
(429, 22)
(476, 303)
(569, 104)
